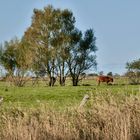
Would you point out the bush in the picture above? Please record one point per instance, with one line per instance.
(134, 77)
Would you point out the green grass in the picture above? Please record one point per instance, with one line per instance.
(53, 96)
(63, 97)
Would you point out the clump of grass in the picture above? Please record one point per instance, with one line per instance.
(101, 119)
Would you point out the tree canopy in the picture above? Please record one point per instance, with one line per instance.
(52, 45)
(16, 59)
(82, 55)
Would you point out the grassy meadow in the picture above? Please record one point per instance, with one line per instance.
(41, 112)
(63, 97)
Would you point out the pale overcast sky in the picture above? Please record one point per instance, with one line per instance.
(116, 24)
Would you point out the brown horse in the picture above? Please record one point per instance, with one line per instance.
(106, 79)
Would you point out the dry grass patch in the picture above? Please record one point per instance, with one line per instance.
(101, 120)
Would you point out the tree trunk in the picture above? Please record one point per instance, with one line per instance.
(52, 81)
(62, 74)
(62, 80)
(75, 81)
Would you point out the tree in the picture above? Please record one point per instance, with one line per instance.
(15, 58)
(58, 47)
(7, 56)
(116, 75)
(133, 71)
(82, 54)
(48, 36)
(110, 74)
(101, 73)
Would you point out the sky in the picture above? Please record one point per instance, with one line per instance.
(116, 24)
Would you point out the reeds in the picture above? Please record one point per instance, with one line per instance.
(101, 119)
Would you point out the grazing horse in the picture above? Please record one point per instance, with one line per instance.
(106, 79)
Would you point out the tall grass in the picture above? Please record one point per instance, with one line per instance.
(105, 117)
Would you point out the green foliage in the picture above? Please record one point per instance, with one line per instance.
(134, 65)
(82, 54)
(8, 55)
(110, 74)
(133, 71)
(16, 59)
(14, 56)
(48, 35)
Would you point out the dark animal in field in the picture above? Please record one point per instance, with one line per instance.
(106, 79)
